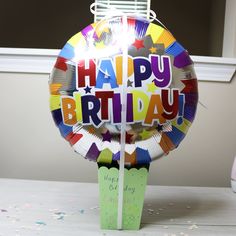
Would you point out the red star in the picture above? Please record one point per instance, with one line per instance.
(190, 86)
(128, 137)
(138, 44)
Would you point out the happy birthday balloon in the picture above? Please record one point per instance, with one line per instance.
(86, 87)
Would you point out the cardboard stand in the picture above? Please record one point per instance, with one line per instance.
(135, 181)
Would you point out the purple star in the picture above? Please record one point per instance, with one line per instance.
(87, 89)
(106, 136)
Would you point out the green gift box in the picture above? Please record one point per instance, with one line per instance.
(135, 181)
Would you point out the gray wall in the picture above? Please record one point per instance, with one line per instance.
(32, 148)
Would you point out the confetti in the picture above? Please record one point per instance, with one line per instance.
(193, 227)
(81, 211)
(40, 223)
(52, 210)
(59, 213)
(3, 210)
(27, 205)
(150, 211)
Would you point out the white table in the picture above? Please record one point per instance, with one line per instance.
(29, 208)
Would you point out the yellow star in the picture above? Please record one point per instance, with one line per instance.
(145, 134)
(106, 30)
(151, 87)
(100, 45)
(153, 50)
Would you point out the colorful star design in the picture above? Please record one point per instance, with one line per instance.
(106, 136)
(153, 50)
(151, 87)
(129, 83)
(91, 130)
(106, 76)
(128, 138)
(145, 134)
(100, 44)
(87, 89)
(159, 128)
(138, 44)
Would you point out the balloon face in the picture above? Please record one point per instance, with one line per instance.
(87, 86)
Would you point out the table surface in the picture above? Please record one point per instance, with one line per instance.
(29, 208)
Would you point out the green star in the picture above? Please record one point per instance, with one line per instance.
(145, 134)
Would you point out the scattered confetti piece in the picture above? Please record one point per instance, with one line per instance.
(53, 210)
(3, 210)
(81, 211)
(40, 223)
(27, 205)
(150, 211)
(60, 218)
(193, 227)
(59, 213)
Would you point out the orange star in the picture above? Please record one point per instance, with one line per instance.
(138, 44)
(153, 50)
(91, 130)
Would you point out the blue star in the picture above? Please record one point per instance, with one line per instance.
(87, 89)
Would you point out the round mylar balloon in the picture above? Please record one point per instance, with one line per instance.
(160, 87)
